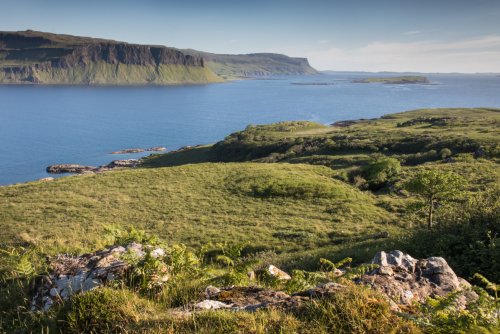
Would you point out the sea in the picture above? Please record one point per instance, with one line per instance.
(45, 125)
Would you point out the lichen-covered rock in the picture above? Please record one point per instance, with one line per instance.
(278, 273)
(404, 279)
(72, 274)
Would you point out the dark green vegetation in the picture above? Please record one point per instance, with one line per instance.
(45, 58)
(395, 80)
(289, 193)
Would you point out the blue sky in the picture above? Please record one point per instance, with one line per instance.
(377, 35)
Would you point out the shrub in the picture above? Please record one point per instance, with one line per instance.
(380, 172)
(445, 153)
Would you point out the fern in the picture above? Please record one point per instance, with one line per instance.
(359, 271)
(225, 260)
(24, 266)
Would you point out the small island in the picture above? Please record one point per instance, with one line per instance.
(395, 80)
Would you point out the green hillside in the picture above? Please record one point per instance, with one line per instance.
(193, 204)
(305, 197)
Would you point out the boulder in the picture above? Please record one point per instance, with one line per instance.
(405, 280)
(211, 305)
(278, 273)
(73, 274)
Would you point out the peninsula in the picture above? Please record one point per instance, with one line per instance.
(32, 57)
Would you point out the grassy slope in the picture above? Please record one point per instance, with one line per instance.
(194, 204)
(122, 74)
(415, 138)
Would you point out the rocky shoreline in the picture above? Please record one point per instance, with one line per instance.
(140, 150)
(82, 169)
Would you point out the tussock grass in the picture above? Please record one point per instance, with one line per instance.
(193, 204)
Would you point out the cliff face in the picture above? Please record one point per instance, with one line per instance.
(44, 58)
(254, 64)
(126, 54)
(31, 57)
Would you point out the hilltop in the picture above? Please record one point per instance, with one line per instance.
(46, 58)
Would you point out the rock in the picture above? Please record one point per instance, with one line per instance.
(255, 298)
(73, 274)
(211, 292)
(395, 258)
(130, 163)
(80, 169)
(156, 149)
(46, 179)
(338, 272)
(278, 273)
(68, 168)
(210, 305)
(405, 280)
(129, 151)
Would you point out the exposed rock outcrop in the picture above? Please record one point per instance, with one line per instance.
(81, 169)
(73, 274)
(402, 279)
(253, 298)
(406, 280)
(139, 150)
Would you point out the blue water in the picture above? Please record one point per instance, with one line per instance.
(44, 125)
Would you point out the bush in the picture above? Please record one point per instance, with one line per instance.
(467, 236)
(380, 172)
(445, 153)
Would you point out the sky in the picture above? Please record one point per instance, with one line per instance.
(344, 35)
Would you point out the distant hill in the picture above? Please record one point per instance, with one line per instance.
(395, 80)
(34, 57)
(254, 64)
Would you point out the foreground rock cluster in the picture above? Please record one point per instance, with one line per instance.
(74, 274)
(402, 279)
(405, 280)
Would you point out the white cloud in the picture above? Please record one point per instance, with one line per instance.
(412, 32)
(323, 41)
(480, 54)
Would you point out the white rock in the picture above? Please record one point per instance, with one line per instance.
(278, 273)
(211, 305)
(158, 252)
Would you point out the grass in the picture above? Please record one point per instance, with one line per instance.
(101, 73)
(193, 204)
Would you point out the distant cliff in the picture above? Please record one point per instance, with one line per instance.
(43, 58)
(254, 64)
